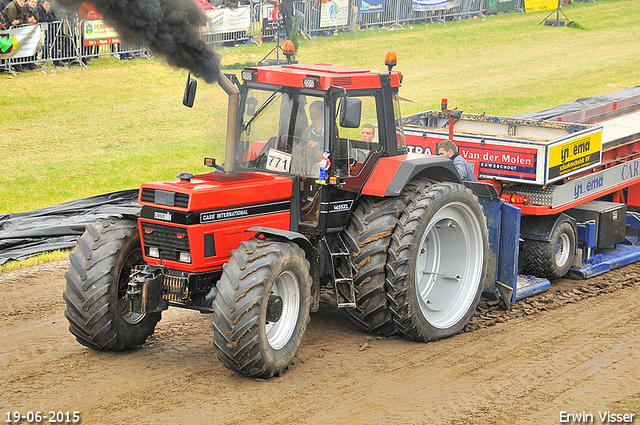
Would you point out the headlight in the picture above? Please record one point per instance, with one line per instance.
(154, 252)
(185, 257)
(310, 82)
(249, 74)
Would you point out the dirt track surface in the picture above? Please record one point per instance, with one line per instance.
(574, 349)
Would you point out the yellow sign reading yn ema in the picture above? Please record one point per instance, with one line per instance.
(574, 155)
(531, 6)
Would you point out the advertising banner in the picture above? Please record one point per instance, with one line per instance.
(531, 6)
(226, 20)
(506, 161)
(20, 42)
(502, 161)
(334, 13)
(98, 32)
(496, 6)
(565, 158)
(371, 6)
(426, 5)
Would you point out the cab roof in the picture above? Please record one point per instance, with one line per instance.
(327, 76)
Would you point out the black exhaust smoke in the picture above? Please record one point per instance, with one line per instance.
(167, 27)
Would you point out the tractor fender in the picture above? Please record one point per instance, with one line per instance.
(310, 251)
(391, 174)
(540, 228)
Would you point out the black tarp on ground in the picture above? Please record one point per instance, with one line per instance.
(29, 233)
(581, 104)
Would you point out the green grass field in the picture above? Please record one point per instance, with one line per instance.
(78, 132)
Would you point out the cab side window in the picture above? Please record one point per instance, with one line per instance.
(355, 145)
(402, 144)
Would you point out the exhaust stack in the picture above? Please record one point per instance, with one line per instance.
(232, 121)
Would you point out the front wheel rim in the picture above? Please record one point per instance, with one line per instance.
(449, 265)
(280, 332)
(134, 258)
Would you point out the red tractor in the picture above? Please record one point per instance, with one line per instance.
(399, 241)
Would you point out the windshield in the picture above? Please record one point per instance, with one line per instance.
(282, 132)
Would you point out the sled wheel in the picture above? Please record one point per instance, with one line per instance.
(552, 259)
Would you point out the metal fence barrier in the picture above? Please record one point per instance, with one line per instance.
(63, 45)
(63, 42)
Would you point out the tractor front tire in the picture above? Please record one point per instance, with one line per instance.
(437, 261)
(97, 282)
(262, 307)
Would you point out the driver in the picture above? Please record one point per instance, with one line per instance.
(309, 150)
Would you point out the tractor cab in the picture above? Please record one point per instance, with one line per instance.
(324, 126)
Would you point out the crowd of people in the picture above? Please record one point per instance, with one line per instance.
(19, 12)
(64, 39)
(60, 47)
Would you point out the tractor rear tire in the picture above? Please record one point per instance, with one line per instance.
(437, 261)
(552, 259)
(97, 282)
(262, 307)
(367, 237)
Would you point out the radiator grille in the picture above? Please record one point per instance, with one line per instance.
(170, 240)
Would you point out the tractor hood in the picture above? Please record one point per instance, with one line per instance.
(216, 191)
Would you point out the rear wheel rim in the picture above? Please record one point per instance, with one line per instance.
(449, 265)
(280, 332)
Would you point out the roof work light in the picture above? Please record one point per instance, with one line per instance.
(390, 61)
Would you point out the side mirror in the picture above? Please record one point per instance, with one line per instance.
(189, 92)
(351, 112)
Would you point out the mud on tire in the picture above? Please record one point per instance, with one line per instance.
(437, 261)
(255, 333)
(96, 287)
(367, 236)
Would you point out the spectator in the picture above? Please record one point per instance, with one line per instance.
(229, 4)
(297, 13)
(13, 13)
(3, 4)
(286, 7)
(45, 12)
(30, 12)
(204, 4)
(30, 15)
(48, 15)
(88, 12)
(448, 149)
(289, 12)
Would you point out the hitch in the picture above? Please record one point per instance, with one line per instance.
(145, 292)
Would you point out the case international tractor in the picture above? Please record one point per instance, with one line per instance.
(399, 241)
